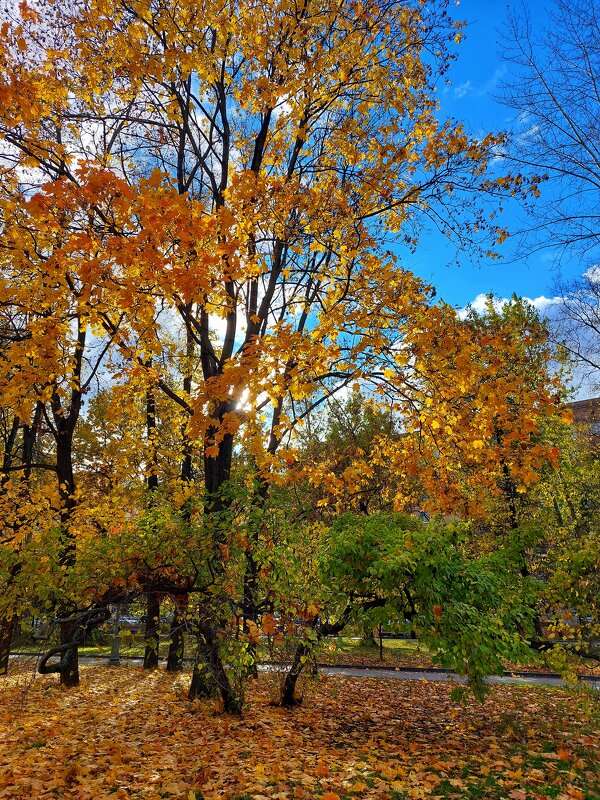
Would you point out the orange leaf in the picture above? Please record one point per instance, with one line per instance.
(517, 794)
(269, 624)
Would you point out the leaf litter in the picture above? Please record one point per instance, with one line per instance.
(126, 734)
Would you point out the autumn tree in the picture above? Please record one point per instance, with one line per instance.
(18, 448)
(232, 173)
(342, 437)
(559, 522)
(52, 365)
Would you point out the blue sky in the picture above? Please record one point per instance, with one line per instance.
(475, 76)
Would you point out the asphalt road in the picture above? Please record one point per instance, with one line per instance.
(390, 673)
(426, 675)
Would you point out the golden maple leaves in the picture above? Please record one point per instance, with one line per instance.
(199, 195)
(302, 176)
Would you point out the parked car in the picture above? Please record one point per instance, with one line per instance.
(131, 624)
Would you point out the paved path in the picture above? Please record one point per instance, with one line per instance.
(426, 675)
(390, 673)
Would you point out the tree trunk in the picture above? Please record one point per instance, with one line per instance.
(7, 630)
(217, 471)
(9, 622)
(178, 625)
(177, 643)
(250, 598)
(211, 675)
(232, 702)
(368, 637)
(152, 631)
(202, 685)
(69, 665)
(288, 693)
(304, 649)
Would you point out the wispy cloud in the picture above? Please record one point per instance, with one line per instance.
(468, 88)
(463, 89)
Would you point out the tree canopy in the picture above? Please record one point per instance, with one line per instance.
(196, 213)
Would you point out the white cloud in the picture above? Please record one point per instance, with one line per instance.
(542, 303)
(483, 90)
(463, 89)
(479, 304)
(593, 274)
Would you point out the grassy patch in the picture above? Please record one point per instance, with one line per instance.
(394, 653)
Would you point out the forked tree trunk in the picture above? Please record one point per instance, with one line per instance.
(289, 696)
(202, 685)
(210, 656)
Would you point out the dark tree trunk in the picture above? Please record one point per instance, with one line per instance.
(288, 693)
(251, 600)
(9, 622)
(209, 675)
(66, 488)
(217, 471)
(69, 669)
(7, 630)
(177, 633)
(177, 643)
(69, 665)
(152, 632)
(202, 685)
(152, 629)
(304, 649)
(232, 702)
(152, 479)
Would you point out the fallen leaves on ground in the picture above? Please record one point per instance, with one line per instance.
(125, 734)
